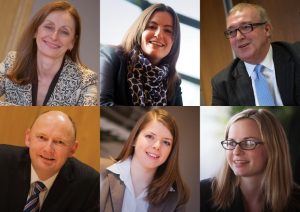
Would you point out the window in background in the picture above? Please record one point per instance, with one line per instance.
(116, 16)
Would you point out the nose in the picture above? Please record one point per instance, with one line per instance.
(156, 145)
(49, 146)
(157, 32)
(239, 35)
(54, 35)
(237, 150)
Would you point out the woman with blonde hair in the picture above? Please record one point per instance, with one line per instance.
(257, 174)
(46, 69)
(142, 70)
(146, 176)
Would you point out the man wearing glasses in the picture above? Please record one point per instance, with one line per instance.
(264, 73)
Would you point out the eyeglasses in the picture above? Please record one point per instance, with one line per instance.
(247, 144)
(245, 28)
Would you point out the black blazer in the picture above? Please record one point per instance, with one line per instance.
(206, 204)
(232, 86)
(76, 187)
(113, 79)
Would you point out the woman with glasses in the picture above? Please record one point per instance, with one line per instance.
(257, 174)
(142, 70)
(146, 174)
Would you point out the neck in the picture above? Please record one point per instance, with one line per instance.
(252, 193)
(48, 67)
(141, 176)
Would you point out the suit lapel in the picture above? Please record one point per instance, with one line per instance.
(22, 186)
(117, 189)
(284, 68)
(59, 187)
(241, 85)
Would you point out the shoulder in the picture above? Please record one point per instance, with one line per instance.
(294, 203)
(10, 151)
(281, 47)
(76, 69)
(112, 54)
(228, 72)
(8, 61)
(81, 171)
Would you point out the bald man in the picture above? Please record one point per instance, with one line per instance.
(64, 183)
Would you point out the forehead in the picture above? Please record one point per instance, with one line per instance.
(158, 128)
(61, 18)
(244, 128)
(162, 18)
(54, 123)
(246, 15)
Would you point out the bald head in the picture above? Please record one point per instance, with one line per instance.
(57, 117)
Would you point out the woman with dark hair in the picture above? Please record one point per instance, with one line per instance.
(46, 68)
(257, 174)
(146, 175)
(142, 70)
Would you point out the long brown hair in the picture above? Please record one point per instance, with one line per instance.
(24, 70)
(277, 181)
(168, 174)
(133, 37)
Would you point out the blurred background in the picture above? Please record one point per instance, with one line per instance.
(215, 48)
(213, 123)
(116, 16)
(15, 121)
(117, 122)
(15, 15)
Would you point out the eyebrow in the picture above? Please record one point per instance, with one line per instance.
(64, 26)
(166, 138)
(153, 22)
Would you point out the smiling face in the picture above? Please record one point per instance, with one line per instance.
(157, 38)
(51, 141)
(246, 163)
(55, 35)
(251, 47)
(153, 145)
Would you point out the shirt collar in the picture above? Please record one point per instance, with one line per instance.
(267, 62)
(122, 168)
(48, 183)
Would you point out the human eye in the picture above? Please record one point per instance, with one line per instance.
(64, 32)
(41, 138)
(167, 143)
(59, 143)
(169, 31)
(151, 26)
(231, 143)
(248, 144)
(48, 27)
(245, 27)
(149, 136)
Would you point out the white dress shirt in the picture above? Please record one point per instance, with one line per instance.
(48, 183)
(130, 202)
(269, 74)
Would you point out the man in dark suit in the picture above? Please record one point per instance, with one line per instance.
(277, 64)
(69, 184)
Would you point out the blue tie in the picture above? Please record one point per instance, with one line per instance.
(263, 93)
(32, 204)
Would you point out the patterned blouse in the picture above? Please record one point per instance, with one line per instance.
(74, 85)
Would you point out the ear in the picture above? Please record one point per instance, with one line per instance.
(27, 137)
(73, 149)
(268, 29)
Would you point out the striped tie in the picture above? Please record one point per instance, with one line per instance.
(263, 92)
(32, 204)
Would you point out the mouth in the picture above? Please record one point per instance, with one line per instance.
(47, 158)
(240, 163)
(152, 155)
(52, 45)
(243, 45)
(156, 43)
